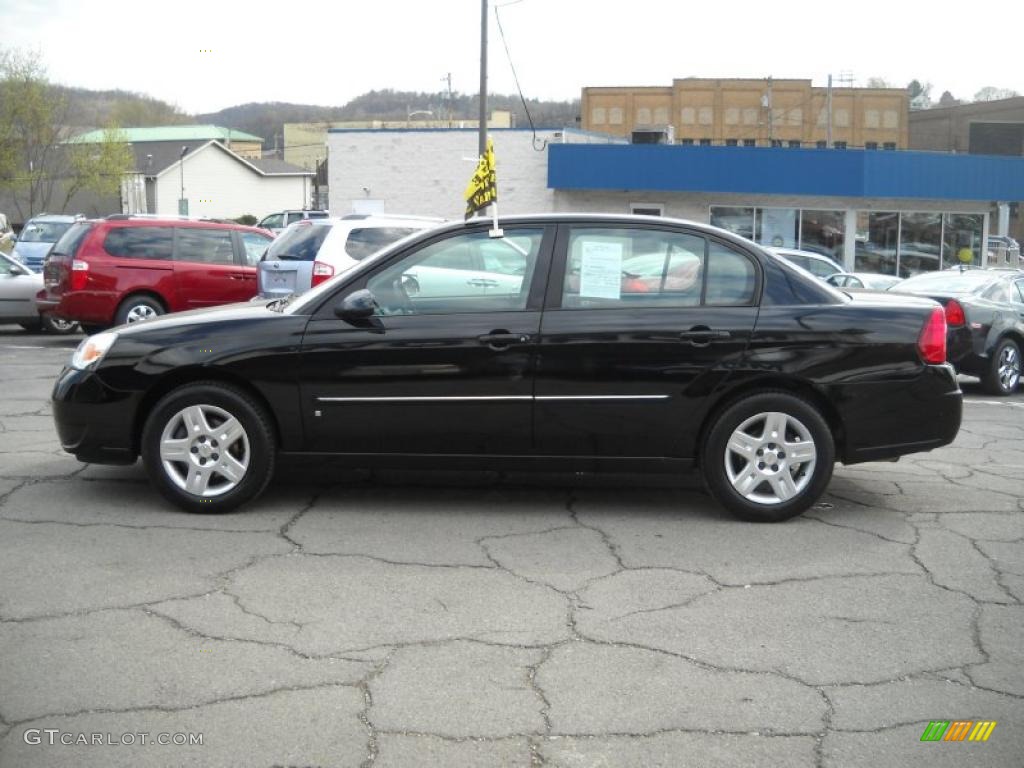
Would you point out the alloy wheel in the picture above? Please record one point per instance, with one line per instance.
(770, 458)
(204, 450)
(140, 312)
(1009, 368)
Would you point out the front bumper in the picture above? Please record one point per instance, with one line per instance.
(94, 422)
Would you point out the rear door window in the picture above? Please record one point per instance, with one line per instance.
(140, 242)
(204, 246)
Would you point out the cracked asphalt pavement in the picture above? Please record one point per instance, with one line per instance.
(441, 619)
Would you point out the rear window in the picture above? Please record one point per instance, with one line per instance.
(140, 242)
(953, 281)
(368, 240)
(71, 240)
(301, 243)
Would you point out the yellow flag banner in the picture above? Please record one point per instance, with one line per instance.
(483, 187)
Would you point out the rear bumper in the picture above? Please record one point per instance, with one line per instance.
(84, 306)
(886, 420)
(94, 422)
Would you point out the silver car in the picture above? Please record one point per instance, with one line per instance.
(18, 288)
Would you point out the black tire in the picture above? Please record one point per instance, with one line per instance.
(90, 329)
(58, 325)
(765, 481)
(256, 446)
(1004, 369)
(137, 308)
(32, 327)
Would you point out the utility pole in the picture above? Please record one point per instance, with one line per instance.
(828, 106)
(771, 113)
(483, 78)
(448, 79)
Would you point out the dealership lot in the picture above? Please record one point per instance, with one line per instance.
(441, 619)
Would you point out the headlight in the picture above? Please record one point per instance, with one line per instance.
(92, 350)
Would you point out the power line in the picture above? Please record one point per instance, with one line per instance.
(515, 77)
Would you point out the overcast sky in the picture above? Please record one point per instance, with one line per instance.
(315, 52)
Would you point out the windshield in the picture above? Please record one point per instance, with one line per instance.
(43, 231)
(954, 281)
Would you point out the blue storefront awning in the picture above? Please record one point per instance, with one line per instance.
(785, 171)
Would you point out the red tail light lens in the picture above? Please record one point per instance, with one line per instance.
(79, 274)
(931, 344)
(955, 313)
(321, 272)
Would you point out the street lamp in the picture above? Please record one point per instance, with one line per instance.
(182, 202)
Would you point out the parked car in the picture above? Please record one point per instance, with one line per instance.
(18, 288)
(985, 320)
(314, 250)
(1003, 250)
(38, 236)
(278, 222)
(818, 265)
(865, 280)
(123, 269)
(759, 383)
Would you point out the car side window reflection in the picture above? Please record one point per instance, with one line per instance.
(469, 272)
(618, 268)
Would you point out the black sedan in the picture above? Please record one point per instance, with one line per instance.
(589, 343)
(985, 317)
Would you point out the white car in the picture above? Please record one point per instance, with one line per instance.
(18, 288)
(818, 265)
(311, 251)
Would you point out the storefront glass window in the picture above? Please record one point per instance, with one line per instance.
(876, 242)
(823, 232)
(778, 227)
(961, 240)
(920, 243)
(737, 220)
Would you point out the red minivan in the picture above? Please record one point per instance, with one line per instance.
(124, 268)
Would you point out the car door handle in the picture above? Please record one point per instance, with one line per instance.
(702, 336)
(503, 339)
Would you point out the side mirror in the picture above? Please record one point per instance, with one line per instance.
(358, 305)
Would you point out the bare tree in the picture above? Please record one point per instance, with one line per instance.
(990, 93)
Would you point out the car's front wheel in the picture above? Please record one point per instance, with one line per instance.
(1004, 369)
(768, 457)
(208, 447)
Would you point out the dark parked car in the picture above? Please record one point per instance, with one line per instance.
(985, 318)
(123, 269)
(585, 356)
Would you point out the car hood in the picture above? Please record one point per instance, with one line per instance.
(227, 313)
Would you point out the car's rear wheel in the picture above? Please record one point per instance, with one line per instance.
(768, 457)
(1004, 369)
(208, 447)
(135, 309)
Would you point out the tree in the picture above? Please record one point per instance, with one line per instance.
(920, 95)
(878, 82)
(98, 167)
(990, 93)
(947, 100)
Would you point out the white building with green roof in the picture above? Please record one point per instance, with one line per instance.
(241, 143)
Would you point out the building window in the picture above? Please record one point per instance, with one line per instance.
(777, 227)
(688, 116)
(870, 145)
(750, 142)
(732, 116)
(647, 209)
(794, 143)
(731, 142)
(821, 144)
(842, 118)
(961, 233)
(643, 116)
(877, 242)
(823, 232)
(661, 116)
(706, 115)
(920, 243)
(737, 220)
(838, 145)
(872, 119)
(615, 115)
(598, 116)
(687, 142)
(889, 145)
(776, 142)
(705, 142)
(750, 116)
(891, 119)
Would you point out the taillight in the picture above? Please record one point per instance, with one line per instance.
(955, 313)
(79, 274)
(931, 344)
(321, 272)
